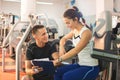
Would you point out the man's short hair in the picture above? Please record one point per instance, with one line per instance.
(36, 27)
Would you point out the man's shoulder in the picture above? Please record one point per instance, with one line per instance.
(32, 45)
(49, 42)
(54, 42)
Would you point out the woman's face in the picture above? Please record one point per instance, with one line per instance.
(70, 23)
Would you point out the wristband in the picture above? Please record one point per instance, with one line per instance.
(60, 59)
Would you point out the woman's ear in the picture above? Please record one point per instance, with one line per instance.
(76, 19)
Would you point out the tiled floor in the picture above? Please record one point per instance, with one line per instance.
(9, 73)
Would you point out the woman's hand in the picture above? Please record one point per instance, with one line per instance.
(56, 62)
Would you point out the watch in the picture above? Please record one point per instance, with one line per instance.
(60, 59)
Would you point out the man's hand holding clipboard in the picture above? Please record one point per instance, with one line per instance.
(46, 65)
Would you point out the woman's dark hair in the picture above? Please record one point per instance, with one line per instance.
(36, 27)
(72, 13)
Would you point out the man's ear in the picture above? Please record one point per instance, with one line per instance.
(34, 36)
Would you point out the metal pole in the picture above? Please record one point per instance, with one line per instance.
(18, 50)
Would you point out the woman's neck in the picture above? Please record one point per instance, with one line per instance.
(79, 27)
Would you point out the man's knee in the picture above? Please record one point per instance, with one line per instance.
(27, 77)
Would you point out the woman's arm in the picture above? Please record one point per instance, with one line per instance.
(85, 38)
(55, 55)
(63, 41)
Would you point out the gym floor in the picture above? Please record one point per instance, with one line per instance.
(9, 73)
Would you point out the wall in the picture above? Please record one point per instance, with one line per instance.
(0, 5)
(55, 11)
(51, 10)
(11, 7)
(87, 7)
(117, 5)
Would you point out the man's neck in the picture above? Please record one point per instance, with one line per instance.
(40, 44)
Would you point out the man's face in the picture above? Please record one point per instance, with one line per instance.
(42, 35)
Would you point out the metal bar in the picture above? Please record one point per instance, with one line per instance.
(4, 44)
(9, 34)
(3, 59)
(18, 50)
(106, 54)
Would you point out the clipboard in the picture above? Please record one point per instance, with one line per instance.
(48, 67)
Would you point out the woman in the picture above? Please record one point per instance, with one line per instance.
(87, 67)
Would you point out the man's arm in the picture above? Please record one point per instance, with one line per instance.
(30, 69)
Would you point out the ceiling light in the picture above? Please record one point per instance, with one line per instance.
(48, 3)
(12, 0)
(45, 3)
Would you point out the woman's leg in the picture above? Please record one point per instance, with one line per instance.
(82, 73)
(61, 70)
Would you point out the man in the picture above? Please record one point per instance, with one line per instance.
(38, 50)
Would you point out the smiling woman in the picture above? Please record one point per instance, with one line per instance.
(87, 67)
